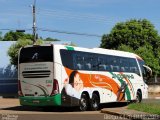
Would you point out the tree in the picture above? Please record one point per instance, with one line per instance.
(14, 36)
(14, 49)
(147, 53)
(138, 36)
(1, 38)
(125, 48)
(51, 39)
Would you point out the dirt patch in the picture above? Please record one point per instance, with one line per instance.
(153, 95)
(9, 102)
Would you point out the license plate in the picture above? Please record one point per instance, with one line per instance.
(36, 101)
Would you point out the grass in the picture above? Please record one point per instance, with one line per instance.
(153, 108)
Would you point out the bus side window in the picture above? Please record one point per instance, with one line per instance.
(133, 66)
(67, 55)
(122, 69)
(79, 62)
(87, 63)
(79, 66)
(101, 64)
(123, 63)
(114, 64)
(94, 62)
(134, 70)
(107, 63)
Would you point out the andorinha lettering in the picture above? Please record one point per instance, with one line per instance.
(35, 68)
(122, 76)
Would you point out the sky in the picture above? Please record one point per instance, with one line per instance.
(95, 17)
(4, 58)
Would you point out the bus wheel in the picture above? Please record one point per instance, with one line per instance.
(95, 102)
(84, 102)
(138, 97)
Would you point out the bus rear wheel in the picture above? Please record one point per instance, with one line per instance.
(84, 102)
(95, 102)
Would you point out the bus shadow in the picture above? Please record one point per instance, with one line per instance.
(42, 109)
(61, 109)
(114, 105)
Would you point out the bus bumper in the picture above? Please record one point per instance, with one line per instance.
(41, 101)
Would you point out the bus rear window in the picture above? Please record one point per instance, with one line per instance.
(36, 54)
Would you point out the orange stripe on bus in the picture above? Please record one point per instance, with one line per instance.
(96, 80)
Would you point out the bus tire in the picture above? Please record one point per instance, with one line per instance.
(95, 102)
(138, 97)
(84, 102)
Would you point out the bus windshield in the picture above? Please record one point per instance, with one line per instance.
(36, 54)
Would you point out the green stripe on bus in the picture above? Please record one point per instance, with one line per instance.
(127, 89)
(132, 87)
(69, 47)
(41, 101)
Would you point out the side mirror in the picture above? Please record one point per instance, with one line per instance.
(148, 71)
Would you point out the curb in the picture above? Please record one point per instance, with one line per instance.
(157, 98)
(130, 114)
(115, 113)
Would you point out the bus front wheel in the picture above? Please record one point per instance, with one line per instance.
(138, 97)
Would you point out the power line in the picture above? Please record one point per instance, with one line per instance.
(87, 17)
(73, 15)
(67, 32)
(57, 31)
(6, 29)
(10, 29)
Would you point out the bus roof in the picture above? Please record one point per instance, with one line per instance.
(93, 50)
(102, 51)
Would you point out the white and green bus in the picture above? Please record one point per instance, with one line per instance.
(60, 75)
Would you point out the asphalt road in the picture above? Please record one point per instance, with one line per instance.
(59, 117)
(33, 113)
(13, 111)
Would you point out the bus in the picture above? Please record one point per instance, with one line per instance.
(61, 75)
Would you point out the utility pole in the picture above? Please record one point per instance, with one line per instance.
(34, 21)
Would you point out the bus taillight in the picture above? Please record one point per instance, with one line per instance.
(19, 89)
(55, 88)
